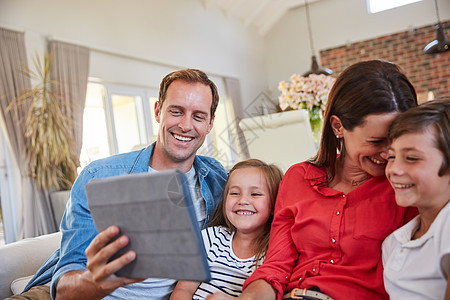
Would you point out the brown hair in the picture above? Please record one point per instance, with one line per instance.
(429, 115)
(365, 88)
(273, 176)
(190, 76)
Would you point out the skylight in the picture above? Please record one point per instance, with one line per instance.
(375, 6)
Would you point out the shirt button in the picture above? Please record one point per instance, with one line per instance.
(343, 196)
(287, 277)
(332, 261)
(333, 241)
(338, 213)
(314, 269)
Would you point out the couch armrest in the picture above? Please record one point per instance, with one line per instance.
(24, 257)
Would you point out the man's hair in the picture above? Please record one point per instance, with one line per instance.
(365, 88)
(273, 175)
(432, 116)
(189, 76)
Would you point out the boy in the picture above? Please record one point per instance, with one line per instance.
(416, 257)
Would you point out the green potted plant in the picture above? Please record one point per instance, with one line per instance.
(49, 142)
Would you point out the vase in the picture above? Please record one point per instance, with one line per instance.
(316, 121)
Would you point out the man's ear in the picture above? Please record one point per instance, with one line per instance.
(211, 124)
(157, 111)
(336, 125)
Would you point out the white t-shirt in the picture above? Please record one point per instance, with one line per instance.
(228, 272)
(418, 269)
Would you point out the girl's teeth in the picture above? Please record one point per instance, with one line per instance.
(245, 213)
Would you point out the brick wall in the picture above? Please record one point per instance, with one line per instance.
(426, 72)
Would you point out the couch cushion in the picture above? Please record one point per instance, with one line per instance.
(23, 258)
(19, 284)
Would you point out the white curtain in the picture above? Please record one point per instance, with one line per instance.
(71, 67)
(233, 87)
(35, 215)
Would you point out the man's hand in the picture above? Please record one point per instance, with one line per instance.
(99, 279)
(99, 252)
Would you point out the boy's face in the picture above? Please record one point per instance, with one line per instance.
(412, 169)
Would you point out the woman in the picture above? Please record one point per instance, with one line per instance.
(333, 212)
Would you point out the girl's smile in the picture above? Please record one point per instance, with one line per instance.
(248, 205)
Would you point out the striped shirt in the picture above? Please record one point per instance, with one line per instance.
(228, 272)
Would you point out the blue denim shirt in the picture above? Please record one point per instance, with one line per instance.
(77, 226)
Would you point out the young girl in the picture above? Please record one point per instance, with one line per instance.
(416, 257)
(238, 236)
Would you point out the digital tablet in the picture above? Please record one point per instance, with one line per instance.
(155, 211)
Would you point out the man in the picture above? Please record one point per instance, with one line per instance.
(80, 269)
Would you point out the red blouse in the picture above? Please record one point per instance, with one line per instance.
(324, 238)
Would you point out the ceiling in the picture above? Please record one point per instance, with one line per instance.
(261, 14)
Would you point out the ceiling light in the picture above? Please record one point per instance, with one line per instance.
(441, 43)
(315, 68)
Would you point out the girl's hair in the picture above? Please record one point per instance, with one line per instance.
(365, 88)
(273, 176)
(433, 115)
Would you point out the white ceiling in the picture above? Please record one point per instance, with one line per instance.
(261, 14)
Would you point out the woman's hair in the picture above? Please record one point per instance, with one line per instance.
(365, 88)
(189, 76)
(273, 176)
(433, 116)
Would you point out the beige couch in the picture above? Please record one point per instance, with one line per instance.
(20, 260)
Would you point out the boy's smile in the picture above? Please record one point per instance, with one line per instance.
(412, 169)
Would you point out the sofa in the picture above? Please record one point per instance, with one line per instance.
(20, 260)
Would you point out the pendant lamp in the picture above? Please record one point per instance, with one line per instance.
(315, 68)
(441, 43)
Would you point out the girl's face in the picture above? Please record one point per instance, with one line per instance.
(412, 170)
(366, 145)
(248, 205)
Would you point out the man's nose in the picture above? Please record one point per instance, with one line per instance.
(185, 123)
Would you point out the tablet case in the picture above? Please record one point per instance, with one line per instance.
(155, 211)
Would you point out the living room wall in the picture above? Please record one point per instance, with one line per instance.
(157, 36)
(428, 73)
(336, 24)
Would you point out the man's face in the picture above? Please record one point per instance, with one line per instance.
(185, 120)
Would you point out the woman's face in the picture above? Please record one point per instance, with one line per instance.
(366, 145)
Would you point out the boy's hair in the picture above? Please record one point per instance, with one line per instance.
(433, 114)
(273, 176)
(189, 76)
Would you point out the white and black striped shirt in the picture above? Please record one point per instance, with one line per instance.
(228, 272)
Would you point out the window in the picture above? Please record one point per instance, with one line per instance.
(375, 6)
(119, 119)
(116, 119)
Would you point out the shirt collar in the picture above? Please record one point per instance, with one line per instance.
(316, 177)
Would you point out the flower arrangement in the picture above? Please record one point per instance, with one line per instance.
(310, 93)
(305, 92)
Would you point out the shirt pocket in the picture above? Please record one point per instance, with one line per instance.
(374, 219)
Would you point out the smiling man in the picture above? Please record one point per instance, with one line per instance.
(80, 269)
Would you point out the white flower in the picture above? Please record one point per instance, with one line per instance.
(305, 92)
